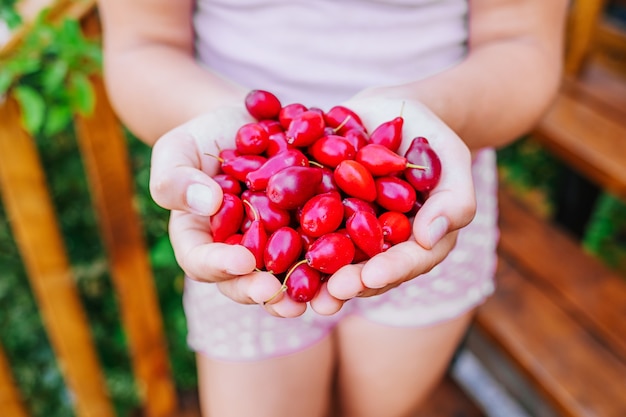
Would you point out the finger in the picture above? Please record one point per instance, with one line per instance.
(325, 303)
(199, 256)
(177, 181)
(286, 307)
(404, 261)
(451, 205)
(346, 282)
(184, 159)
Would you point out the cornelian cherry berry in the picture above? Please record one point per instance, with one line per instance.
(303, 282)
(251, 139)
(282, 250)
(262, 104)
(228, 218)
(355, 180)
(421, 153)
(396, 227)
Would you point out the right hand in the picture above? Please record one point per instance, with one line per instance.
(181, 181)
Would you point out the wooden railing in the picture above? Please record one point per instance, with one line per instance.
(29, 207)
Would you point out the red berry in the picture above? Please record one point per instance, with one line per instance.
(288, 112)
(395, 194)
(366, 233)
(255, 239)
(293, 186)
(282, 250)
(355, 180)
(330, 252)
(228, 183)
(330, 150)
(388, 134)
(227, 219)
(396, 227)
(322, 214)
(303, 282)
(342, 119)
(305, 128)
(251, 139)
(421, 153)
(262, 104)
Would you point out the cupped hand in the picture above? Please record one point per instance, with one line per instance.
(450, 206)
(183, 163)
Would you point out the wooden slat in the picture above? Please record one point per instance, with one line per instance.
(584, 18)
(591, 141)
(103, 147)
(11, 402)
(579, 283)
(449, 399)
(39, 240)
(575, 373)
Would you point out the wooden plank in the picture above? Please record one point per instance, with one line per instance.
(449, 399)
(580, 284)
(11, 402)
(583, 21)
(575, 373)
(592, 142)
(103, 147)
(30, 210)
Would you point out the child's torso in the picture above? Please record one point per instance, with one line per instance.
(320, 52)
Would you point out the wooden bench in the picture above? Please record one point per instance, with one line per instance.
(554, 333)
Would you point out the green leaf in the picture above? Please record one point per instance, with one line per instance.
(10, 16)
(82, 96)
(53, 76)
(33, 107)
(6, 79)
(58, 118)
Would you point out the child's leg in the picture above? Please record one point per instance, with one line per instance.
(390, 371)
(298, 384)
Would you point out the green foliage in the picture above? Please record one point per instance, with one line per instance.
(606, 233)
(49, 74)
(8, 13)
(49, 77)
(528, 168)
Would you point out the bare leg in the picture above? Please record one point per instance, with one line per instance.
(294, 385)
(387, 371)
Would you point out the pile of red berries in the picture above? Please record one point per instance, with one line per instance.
(308, 191)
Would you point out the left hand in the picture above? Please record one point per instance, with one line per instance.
(450, 206)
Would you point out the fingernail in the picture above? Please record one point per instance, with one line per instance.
(200, 199)
(437, 229)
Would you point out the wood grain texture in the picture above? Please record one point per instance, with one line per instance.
(559, 315)
(34, 225)
(104, 150)
(590, 140)
(11, 402)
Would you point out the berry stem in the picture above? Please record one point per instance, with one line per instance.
(283, 287)
(415, 166)
(254, 212)
(214, 156)
(342, 124)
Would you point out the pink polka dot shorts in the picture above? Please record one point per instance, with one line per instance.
(223, 329)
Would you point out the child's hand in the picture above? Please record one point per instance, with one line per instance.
(181, 181)
(451, 204)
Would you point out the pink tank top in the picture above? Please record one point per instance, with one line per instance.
(321, 52)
